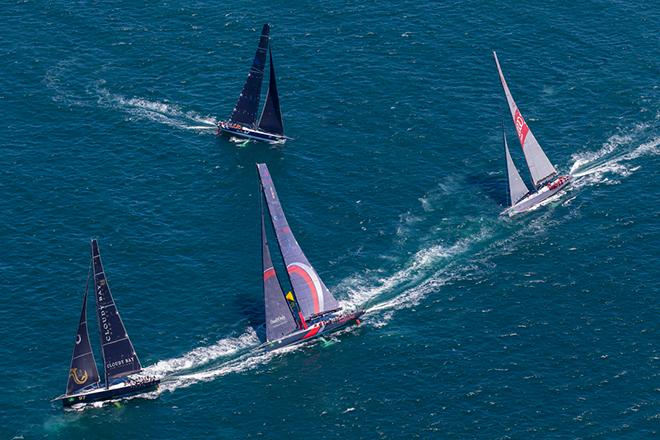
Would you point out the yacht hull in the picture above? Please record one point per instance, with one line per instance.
(249, 133)
(318, 329)
(538, 197)
(117, 391)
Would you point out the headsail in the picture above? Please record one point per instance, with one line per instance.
(517, 187)
(83, 371)
(312, 294)
(247, 105)
(279, 320)
(271, 115)
(119, 356)
(538, 163)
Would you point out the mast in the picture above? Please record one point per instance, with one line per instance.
(539, 165)
(517, 187)
(313, 296)
(83, 371)
(271, 115)
(279, 317)
(119, 357)
(245, 111)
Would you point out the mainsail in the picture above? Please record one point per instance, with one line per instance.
(118, 353)
(279, 320)
(538, 163)
(83, 371)
(247, 106)
(271, 115)
(312, 294)
(517, 187)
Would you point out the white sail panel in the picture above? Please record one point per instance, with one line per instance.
(517, 187)
(538, 163)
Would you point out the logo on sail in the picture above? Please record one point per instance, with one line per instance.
(521, 127)
(79, 379)
(313, 283)
(277, 321)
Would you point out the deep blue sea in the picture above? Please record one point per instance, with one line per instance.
(544, 325)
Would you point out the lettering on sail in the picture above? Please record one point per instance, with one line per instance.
(521, 127)
(119, 363)
(278, 321)
(106, 326)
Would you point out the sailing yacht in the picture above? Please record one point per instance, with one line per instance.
(547, 181)
(121, 366)
(309, 310)
(243, 121)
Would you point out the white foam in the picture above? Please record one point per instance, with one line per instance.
(614, 155)
(419, 268)
(161, 112)
(245, 362)
(203, 355)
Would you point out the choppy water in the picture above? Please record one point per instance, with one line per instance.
(540, 326)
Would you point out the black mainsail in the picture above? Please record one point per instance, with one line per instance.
(313, 296)
(279, 318)
(83, 371)
(247, 106)
(119, 357)
(271, 115)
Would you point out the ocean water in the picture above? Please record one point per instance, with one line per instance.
(545, 325)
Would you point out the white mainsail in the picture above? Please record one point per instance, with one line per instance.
(517, 187)
(538, 163)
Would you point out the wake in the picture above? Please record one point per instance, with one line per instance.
(67, 89)
(423, 274)
(160, 112)
(616, 157)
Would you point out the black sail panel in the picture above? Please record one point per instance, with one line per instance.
(271, 116)
(279, 319)
(312, 294)
(245, 111)
(83, 371)
(119, 356)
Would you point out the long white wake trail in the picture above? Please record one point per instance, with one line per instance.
(239, 354)
(201, 356)
(616, 155)
(161, 112)
(423, 274)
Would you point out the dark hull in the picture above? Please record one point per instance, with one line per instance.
(322, 328)
(101, 394)
(248, 133)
